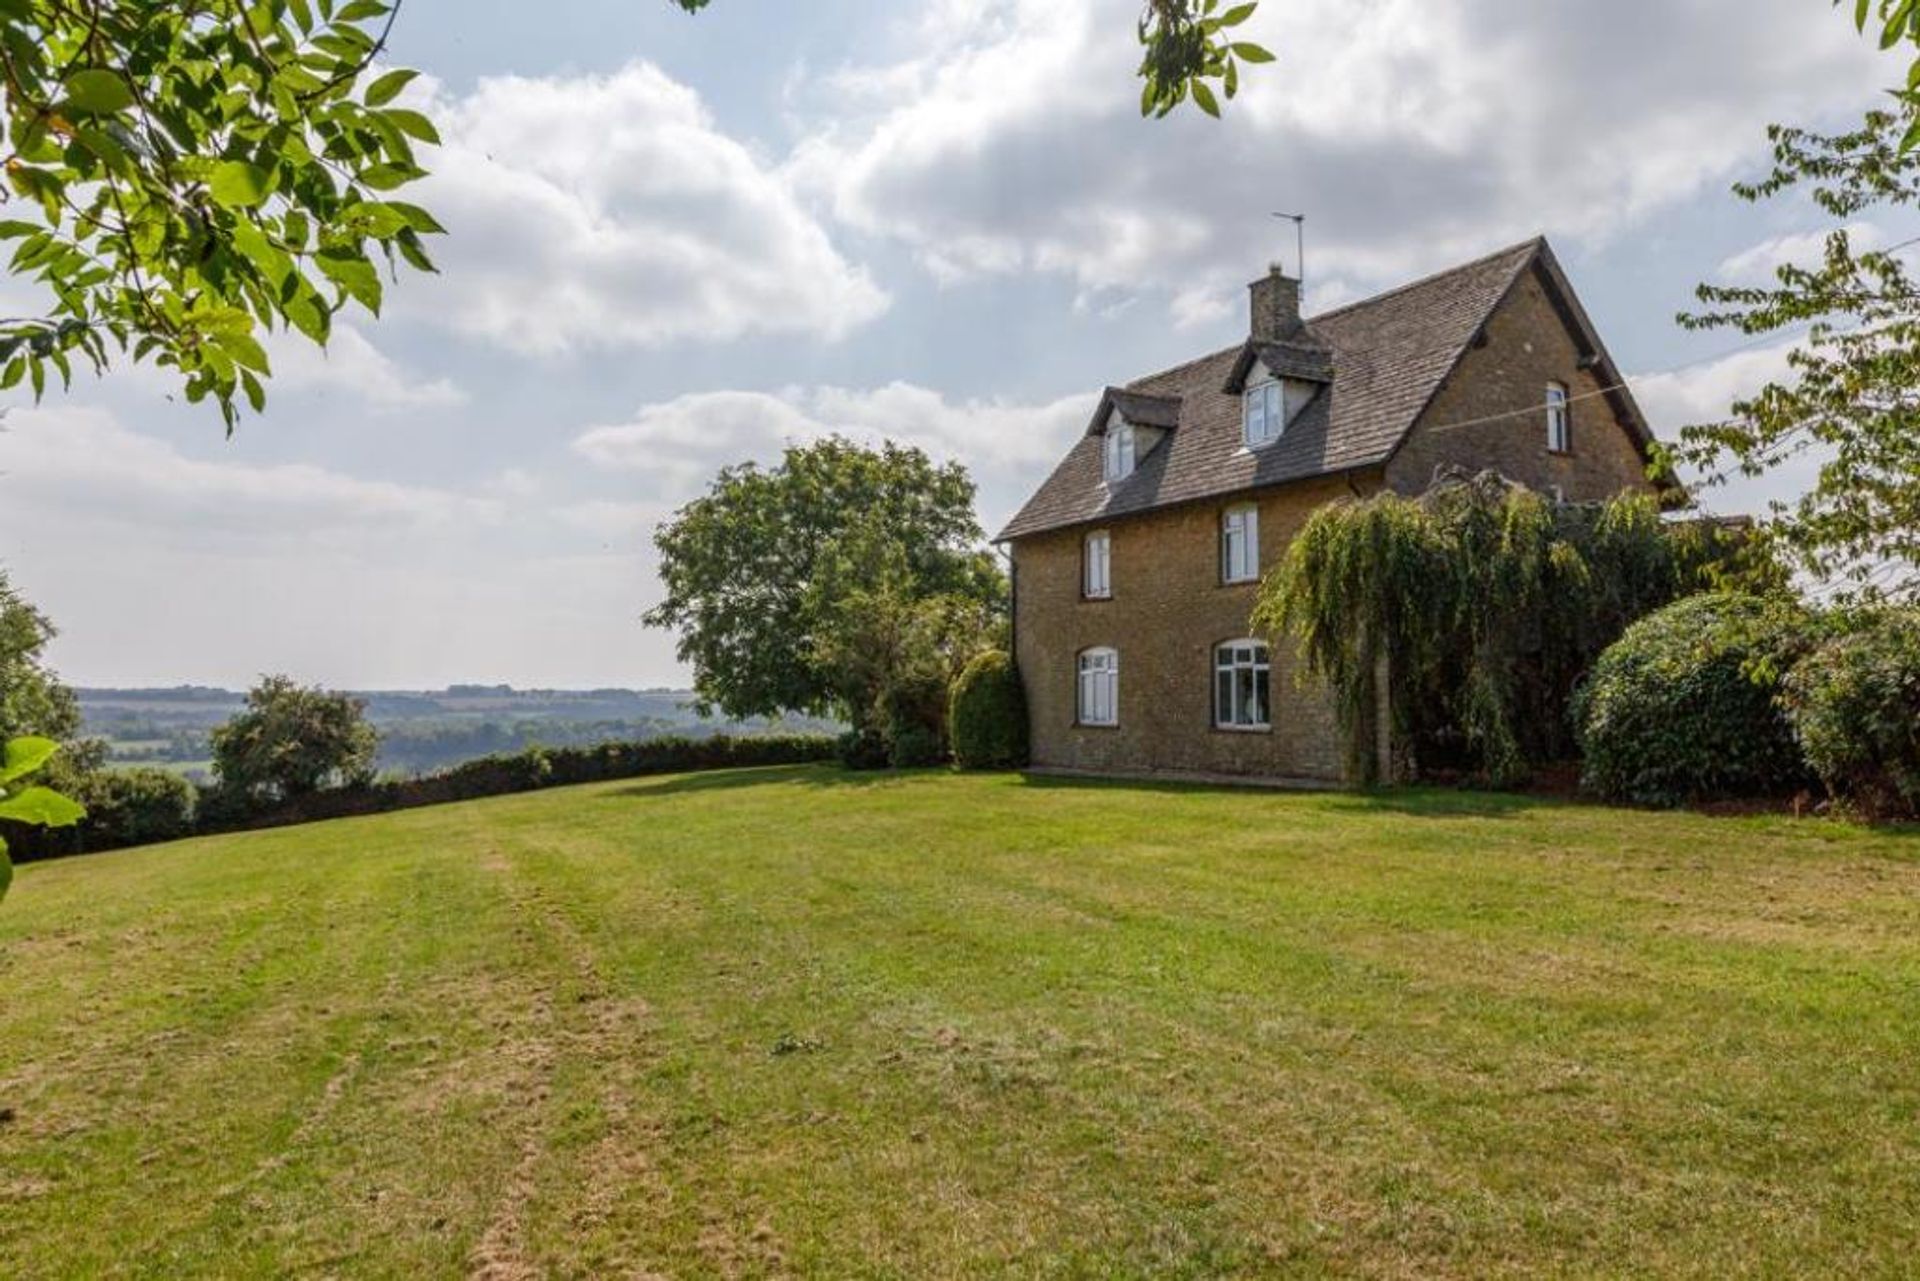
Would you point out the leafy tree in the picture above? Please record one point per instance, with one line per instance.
(1853, 400)
(184, 177)
(1486, 604)
(23, 802)
(292, 741)
(893, 653)
(762, 572)
(32, 699)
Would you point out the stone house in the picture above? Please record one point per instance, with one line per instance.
(1136, 563)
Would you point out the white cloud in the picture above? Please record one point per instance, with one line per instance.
(352, 364)
(159, 567)
(608, 212)
(1758, 263)
(1411, 133)
(67, 460)
(676, 446)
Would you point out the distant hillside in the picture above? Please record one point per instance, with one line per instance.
(420, 730)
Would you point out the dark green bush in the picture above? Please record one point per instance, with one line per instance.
(912, 746)
(1854, 705)
(134, 807)
(863, 749)
(1683, 706)
(988, 714)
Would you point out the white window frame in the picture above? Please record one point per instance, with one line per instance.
(1559, 419)
(1097, 687)
(1240, 544)
(1263, 413)
(1230, 700)
(1096, 566)
(1119, 450)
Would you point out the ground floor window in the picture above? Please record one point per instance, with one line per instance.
(1242, 679)
(1099, 701)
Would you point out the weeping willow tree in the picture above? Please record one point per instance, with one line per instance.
(1480, 605)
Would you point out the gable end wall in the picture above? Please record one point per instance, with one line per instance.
(1527, 346)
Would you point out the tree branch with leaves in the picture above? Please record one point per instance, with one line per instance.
(1852, 405)
(24, 802)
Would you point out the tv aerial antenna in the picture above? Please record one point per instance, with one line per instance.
(1299, 222)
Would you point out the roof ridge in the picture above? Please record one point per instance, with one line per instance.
(1174, 369)
(1534, 243)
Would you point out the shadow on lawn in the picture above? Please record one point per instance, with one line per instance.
(1414, 802)
(725, 780)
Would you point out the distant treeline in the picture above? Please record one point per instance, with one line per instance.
(420, 731)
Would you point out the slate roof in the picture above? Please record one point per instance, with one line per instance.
(1388, 355)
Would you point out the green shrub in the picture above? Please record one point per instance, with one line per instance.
(1683, 706)
(1854, 705)
(988, 714)
(134, 807)
(863, 749)
(913, 746)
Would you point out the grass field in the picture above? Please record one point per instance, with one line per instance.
(798, 1022)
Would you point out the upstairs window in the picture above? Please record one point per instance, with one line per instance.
(1559, 419)
(1265, 413)
(1096, 579)
(1267, 408)
(1242, 680)
(1240, 544)
(1119, 449)
(1099, 696)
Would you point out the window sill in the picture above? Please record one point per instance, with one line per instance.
(1097, 600)
(1243, 729)
(1093, 725)
(1239, 582)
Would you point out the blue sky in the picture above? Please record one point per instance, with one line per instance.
(683, 241)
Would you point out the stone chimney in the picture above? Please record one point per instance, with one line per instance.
(1276, 306)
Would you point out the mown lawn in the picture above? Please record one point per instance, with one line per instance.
(796, 1022)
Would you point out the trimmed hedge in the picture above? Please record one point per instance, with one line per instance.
(539, 767)
(1854, 705)
(135, 807)
(1683, 706)
(987, 715)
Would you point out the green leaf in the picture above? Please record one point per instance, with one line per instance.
(414, 125)
(41, 807)
(1247, 51)
(22, 756)
(1238, 14)
(97, 92)
(1203, 96)
(417, 218)
(238, 185)
(387, 177)
(356, 278)
(388, 87)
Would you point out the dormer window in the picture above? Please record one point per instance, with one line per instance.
(1268, 406)
(1120, 449)
(1265, 413)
